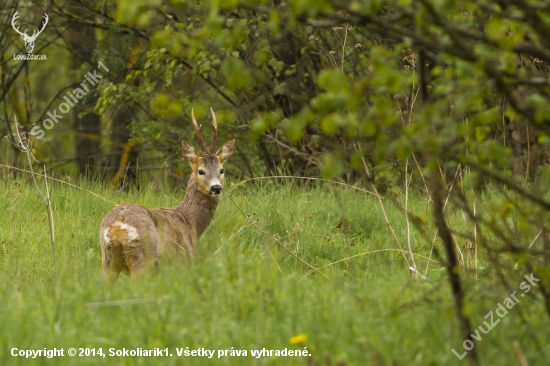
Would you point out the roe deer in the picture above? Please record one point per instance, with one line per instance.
(131, 235)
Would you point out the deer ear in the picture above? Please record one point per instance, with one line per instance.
(227, 150)
(188, 151)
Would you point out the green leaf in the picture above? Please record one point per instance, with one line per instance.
(331, 166)
(159, 102)
(236, 73)
(334, 81)
(331, 123)
(174, 109)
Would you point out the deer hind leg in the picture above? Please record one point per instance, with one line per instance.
(120, 250)
(113, 261)
(135, 258)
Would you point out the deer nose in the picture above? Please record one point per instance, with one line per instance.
(216, 189)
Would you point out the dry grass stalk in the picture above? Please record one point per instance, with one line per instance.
(384, 210)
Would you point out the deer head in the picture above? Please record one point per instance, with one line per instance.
(207, 167)
(29, 40)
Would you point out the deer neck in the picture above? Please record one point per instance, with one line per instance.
(198, 207)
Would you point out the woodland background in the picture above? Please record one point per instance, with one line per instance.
(308, 87)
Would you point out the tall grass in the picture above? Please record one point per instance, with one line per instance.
(243, 290)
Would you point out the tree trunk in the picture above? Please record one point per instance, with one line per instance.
(82, 41)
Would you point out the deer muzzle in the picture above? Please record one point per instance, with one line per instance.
(215, 189)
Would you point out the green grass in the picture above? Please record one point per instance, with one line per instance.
(243, 290)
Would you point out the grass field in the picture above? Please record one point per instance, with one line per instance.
(244, 291)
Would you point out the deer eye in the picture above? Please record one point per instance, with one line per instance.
(201, 172)
(221, 171)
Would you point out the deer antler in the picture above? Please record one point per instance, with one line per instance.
(15, 16)
(215, 128)
(25, 35)
(34, 34)
(198, 130)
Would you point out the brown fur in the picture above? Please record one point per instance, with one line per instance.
(131, 236)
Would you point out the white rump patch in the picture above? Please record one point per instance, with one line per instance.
(106, 238)
(132, 231)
